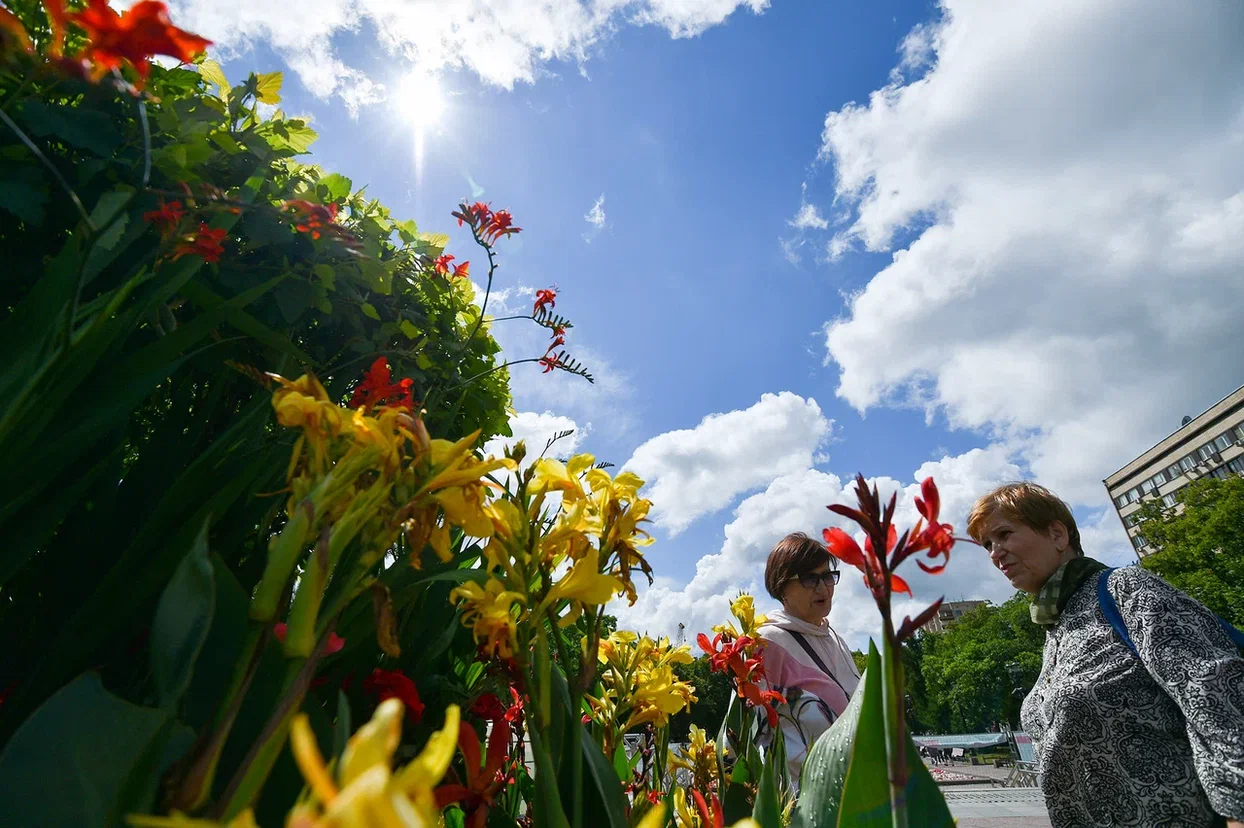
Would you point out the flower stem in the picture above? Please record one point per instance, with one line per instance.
(896, 738)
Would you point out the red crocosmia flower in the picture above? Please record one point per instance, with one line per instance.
(515, 711)
(843, 547)
(488, 707)
(483, 784)
(498, 225)
(462, 271)
(560, 330)
(377, 388)
(394, 684)
(334, 645)
(166, 218)
(310, 217)
(655, 797)
(205, 242)
(134, 36)
(549, 362)
(545, 297)
(441, 265)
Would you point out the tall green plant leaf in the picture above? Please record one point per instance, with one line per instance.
(182, 621)
(83, 760)
(845, 779)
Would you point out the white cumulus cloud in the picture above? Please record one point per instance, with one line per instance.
(504, 43)
(796, 501)
(695, 471)
(1062, 187)
(596, 215)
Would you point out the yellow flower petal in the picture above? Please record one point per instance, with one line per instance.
(373, 744)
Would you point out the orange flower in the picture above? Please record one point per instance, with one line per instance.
(441, 265)
(462, 271)
(310, 217)
(166, 218)
(499, 225)
(547, 296)
(205, 243)
(134, 36)
(10, 26)
(377, 388)
(482, 784)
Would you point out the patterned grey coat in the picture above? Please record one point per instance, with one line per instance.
(1157, 741)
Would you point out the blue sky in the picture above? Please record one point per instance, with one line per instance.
(1000, 216)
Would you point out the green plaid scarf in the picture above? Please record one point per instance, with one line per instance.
(1049, 603)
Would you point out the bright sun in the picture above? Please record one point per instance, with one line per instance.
(418, 100)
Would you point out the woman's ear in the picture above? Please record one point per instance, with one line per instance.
(1059, 535)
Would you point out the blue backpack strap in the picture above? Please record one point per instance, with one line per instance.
(1110, 609)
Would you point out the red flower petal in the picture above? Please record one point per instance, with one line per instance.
(843, 547)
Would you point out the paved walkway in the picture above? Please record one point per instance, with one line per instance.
(998, 808)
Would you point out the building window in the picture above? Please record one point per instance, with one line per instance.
(1168, 500)
(1121, 500)
(1188, 463)
(1133, 496)
(1146, 487)
(1236, 464)
(1159, 478)
(1221, 473)
(1138, 541)
(1173, 471)
(1207, 451)
(1239, 432)
(1223, 441)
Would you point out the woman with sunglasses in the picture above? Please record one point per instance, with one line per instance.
(805, 659)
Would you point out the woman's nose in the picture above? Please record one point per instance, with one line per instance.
(997, 552)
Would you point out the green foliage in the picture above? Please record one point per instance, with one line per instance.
(712, 691)
(960, 681)
(129, 410)
(1201, 546)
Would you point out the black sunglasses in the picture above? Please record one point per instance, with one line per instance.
(811, 580)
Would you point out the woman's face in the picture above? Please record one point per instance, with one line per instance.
(810, 603)
(1026, 557)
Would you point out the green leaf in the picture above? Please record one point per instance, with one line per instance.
(433, 243)
(212, 73)
(768, 811)
(369, 310)
(845, 779)
(407, 230)
(326, 275)
(182, 621)
(410, 331)
(268, 87)
(83, 760)
(603, 801)
(341, 729)
(622, 762)
(89, 129)
(23, 191)
(336, 186)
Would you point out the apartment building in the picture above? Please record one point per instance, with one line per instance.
(948, 613)
(1208, 445)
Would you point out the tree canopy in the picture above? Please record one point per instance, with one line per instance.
(1201, 546)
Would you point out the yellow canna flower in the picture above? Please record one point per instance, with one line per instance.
(684, 816)
(584, 582)
(553, 476)
(489, 612)
(464, 506)
(699, 757)
(655, 818)
(367, 792)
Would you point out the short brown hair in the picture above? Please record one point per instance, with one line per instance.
(792, 556)
(1032, 505)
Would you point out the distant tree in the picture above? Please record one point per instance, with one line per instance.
(860, 660)
(966, 680)
(1201, 547)
(712, 692)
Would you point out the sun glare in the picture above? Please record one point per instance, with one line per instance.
(418, 100)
